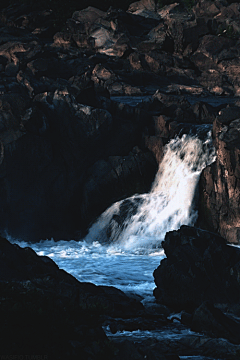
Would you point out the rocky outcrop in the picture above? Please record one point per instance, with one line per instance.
(48, 150)
(219, 185)
(68, 150)
(56, 126)
(199, 267)
(46, 311)
(200, 278)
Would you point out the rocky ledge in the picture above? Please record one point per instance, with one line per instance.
(200, 277)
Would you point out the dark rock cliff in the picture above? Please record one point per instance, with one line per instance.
(67, 151)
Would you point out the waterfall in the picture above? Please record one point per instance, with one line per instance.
(123, 247)
(142, 220)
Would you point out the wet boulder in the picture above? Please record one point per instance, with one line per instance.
(199, 266)
(208, 9)
(117, 178)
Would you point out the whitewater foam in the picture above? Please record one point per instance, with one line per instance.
(142, 221)
(124, 246)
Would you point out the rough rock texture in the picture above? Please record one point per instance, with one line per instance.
(220, 182)
(214, 322)
(199, 267)
(53, 131)
(68, 150)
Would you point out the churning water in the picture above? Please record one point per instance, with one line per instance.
(141, 222)
(123, 247)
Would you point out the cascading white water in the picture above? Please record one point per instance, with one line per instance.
(143, 220)
(134, 228)
(122, 247)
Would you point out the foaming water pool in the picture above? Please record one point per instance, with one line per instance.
(129, 271)
(123, 247)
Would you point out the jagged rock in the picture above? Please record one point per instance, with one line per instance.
(208, 9)
(204, 112)
(53, 141)
(36, 19)
(145, 8)
(214, 48)
(157, 39)
(97, 55)
(87, 17)
(107, 79)
(155, 145)
(158, 62)
(219, 184)
(162, 125)
(45, 310)
(119, 177)
(214, 322)
(199, 266)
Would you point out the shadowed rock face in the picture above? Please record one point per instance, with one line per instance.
(200, 278)
(214, 322)
(220, 183)
(46, 311)
(51, 155)
(67, 151)
(199, 267)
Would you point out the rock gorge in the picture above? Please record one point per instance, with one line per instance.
(68, 150)
(70, 146)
